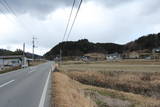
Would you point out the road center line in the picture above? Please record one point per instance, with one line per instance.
(6, 83)
(42, 101)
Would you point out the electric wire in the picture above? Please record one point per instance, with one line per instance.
(8, 8)
(69, 19)
(3, 13)
(74, 19)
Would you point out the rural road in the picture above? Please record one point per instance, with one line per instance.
(28, 87)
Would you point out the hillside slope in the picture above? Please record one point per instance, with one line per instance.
(81, 47)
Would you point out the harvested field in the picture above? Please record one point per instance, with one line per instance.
(129, 83)
(147, 84)
(112, 66)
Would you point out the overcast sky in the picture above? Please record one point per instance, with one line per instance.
(117, 21)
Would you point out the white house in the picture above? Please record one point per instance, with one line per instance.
(156, 50)
(113, 56)
(12, 61)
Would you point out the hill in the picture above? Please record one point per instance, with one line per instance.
(4, 52)
(81, 47)
(146, 42)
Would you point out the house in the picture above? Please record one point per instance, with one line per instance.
(113, 56)
(156, 53)
(12, 61)
(85, 58)
(95, 56)
(156, 50)
(132, 55)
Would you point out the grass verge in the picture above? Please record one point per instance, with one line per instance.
(68, 93)
(10, 69)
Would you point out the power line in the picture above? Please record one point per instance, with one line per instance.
(2, 12)
(79, 6)
(69, 19)
(6, 5)
(74, 19)
(9, 8)
(20, 21)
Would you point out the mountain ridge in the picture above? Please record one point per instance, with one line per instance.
(81, 47)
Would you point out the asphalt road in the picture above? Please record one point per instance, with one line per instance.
(28, 87)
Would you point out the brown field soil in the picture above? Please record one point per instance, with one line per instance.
(128, 83)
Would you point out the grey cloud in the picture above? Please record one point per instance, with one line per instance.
(36, 7)
(150, 6)
(44, 7)
(113, 3)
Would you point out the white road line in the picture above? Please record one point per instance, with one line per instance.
(6, 83)
(42, 101)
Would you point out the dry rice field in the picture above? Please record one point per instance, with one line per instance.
(129, 83)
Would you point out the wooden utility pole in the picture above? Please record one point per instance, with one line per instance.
(33, 46)
(23, 52)
(60, 56)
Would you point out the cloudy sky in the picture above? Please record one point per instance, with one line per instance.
(117, 21)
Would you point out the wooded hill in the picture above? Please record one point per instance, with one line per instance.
(4, 52)
(81, 47)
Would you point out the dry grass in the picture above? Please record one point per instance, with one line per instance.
(112, 66)
(135, 99)
(68, 93)
(147, 84)
(36, 62)
(136, 82)
(10, 69)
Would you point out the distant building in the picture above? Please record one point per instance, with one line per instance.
(12, 61)
(85, 58)
(156, 50)
(131, 55)
(94, 56)
(113, 56)
(156, 53)
(134, 55)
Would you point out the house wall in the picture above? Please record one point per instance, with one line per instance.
(10, 62)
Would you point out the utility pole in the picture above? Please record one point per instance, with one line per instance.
(60, 56)
(33, 46)
(23, 53)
